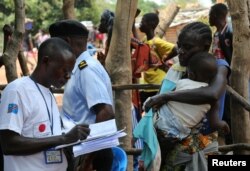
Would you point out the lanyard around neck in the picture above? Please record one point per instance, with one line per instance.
(49, 115)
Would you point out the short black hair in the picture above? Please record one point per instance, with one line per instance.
(107, 21)
(204, 64)
(108, 16)
(199, 29)
(152, 19)
(219, 10)
(52, 47)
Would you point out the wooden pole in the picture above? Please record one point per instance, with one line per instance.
(166, 17)
(68, 9)
(23, 63)
(240, 120)
(220, 1)
(118, 64)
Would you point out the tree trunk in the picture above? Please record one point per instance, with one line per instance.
(14, 45)
(166, 17)
(8, 31)
(118, 64)
(240, 121)
(68, 9)
(23, 63)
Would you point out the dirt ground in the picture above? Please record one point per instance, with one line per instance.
(31, 65)
(2, 76)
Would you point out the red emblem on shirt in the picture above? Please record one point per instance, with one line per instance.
(42, 127)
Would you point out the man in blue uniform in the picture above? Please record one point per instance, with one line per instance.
(88, 94)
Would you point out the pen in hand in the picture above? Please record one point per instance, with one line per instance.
(74, 122)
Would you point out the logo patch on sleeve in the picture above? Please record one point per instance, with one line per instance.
(82, 65)
(42, 129)
(13, 108)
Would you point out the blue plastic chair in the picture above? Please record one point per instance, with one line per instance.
(120, 159)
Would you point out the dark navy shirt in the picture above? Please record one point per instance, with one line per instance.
(206, 127)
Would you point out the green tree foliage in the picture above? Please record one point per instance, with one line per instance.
(6, 12)
(147, 6)
(181, 3)
(41, 12)
(92, 9)
(45, 12)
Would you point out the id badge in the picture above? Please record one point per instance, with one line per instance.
(53, 156)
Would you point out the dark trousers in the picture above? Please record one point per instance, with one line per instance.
(227, 118)
(1, 159)
(102, 160)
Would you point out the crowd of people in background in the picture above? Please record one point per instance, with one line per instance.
(192, 94)
(31, 42)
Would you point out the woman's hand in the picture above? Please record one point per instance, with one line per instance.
(154, 102)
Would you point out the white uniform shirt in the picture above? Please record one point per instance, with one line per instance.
(86, 87)
(188, 114)
(23, 111)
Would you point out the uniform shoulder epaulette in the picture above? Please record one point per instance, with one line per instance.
(82, 65)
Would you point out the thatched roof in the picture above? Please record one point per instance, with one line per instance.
(190, 15)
